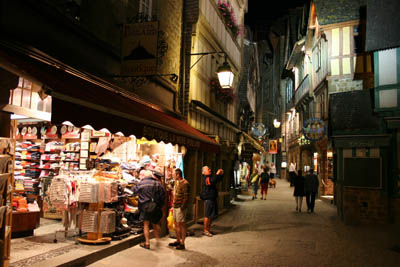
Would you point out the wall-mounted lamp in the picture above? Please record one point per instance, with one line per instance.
(224, 72)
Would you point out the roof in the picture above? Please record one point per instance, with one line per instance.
(330, 11)
(383, 24)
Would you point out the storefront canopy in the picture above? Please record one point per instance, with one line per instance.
(101, 105)
(253, 142)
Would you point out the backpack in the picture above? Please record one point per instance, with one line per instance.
(151, 205)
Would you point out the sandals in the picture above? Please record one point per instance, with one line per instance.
(143, 245)
(207, 234)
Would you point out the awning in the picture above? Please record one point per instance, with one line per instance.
(253, 142)
(84, 102)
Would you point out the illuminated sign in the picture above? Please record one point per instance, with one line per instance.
(314, 129)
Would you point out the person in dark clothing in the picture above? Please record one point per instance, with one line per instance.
(264, 182)
(210, 195)
(299, 190)
(311, 185)
(147, 189)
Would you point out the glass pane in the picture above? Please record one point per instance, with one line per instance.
(26, 98)
(346, 65)
(17, 97)
(27, 84)
(388, 98)
(35, 101)
(346, 40)
(335, 42)
(47, 103)
(335, 67)
(20, 81)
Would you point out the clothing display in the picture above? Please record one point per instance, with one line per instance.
(87, 180)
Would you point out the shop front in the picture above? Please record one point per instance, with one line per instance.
(76, 146)
(251, 157)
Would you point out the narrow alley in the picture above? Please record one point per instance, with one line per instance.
(271, 233)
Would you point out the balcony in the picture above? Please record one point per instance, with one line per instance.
(302, 90)
(223, 34)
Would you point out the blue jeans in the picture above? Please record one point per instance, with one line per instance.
(255, 188)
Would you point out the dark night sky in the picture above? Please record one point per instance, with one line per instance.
(261, 9)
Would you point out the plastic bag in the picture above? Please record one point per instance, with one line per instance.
(170, 220)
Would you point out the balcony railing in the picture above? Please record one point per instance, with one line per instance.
(302, 90)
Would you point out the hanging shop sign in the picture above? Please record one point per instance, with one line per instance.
(139, 48)
(273, 146)
(259, 130)
(314, 129)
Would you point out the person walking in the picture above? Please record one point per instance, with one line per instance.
(272, 171)
(209, 194)
(299, 190)
(180, 200)
(264, 183)
(150, 190)
(292, 173)
(311, 185)
(255, 180)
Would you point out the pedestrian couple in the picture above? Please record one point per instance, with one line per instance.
(261, 180)
(150, 190)
(305, 186)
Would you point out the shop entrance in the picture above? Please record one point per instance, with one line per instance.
(75, 182)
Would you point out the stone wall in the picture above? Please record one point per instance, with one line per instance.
(364, 206)
(170, 17)
(344, 85)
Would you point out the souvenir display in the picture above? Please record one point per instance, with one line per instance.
(85, 179)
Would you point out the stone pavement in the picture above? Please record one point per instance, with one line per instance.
(271, 233)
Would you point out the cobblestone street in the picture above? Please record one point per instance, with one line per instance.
(271, 233)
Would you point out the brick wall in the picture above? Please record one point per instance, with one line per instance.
(364, 206)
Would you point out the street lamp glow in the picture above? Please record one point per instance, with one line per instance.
(225, 75)
(277, 123)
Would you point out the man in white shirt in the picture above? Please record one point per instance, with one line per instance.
(292, 173)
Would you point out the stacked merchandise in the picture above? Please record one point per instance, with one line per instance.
(89, 192)
(27, 167)
(89, 221)
(70, 156)
(107, 221)
(50, 166)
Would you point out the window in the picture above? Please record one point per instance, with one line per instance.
(145, 8)
(289, 90)
(316, 59)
